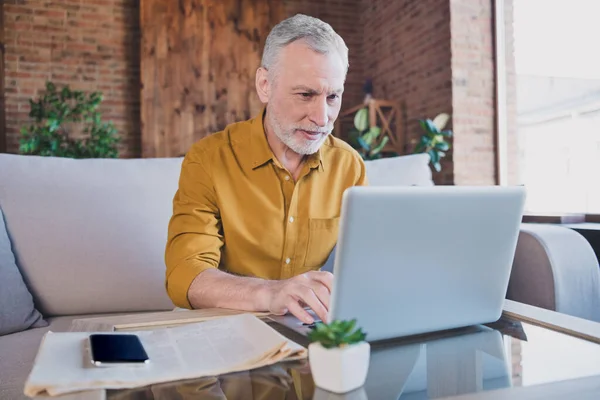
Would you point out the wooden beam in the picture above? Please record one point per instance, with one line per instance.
(3, 139)
(198, 63)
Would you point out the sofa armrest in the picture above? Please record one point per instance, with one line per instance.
(555, 268)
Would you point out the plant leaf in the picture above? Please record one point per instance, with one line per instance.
(431, 128)
(361, 119)
(444, 146)
(380, 146)
(363, 143)
(419, 148)
(375, 131)
(423, 125)
(350, 325)
(441, 120)
(433, 155)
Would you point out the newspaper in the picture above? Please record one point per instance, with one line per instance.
(218, 346)
(154, 320)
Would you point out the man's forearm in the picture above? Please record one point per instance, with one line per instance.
(215, 288)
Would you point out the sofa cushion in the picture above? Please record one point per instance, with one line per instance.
(18, 351)
(408, 170)
(89, 235)
(17, 311)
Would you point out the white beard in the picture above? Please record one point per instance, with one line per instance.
(298, 144)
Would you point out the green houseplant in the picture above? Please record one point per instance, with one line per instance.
(366, 139)
(336, 334)
(67, 123)
(338, 356)
(434, 139)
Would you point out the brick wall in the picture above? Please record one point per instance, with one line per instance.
(406, 51)
(437, 56)
(90, 45)
(473, 92)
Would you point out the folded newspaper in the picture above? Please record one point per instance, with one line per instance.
(218, 346)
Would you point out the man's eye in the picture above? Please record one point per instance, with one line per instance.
(305, 95)
(333, 97)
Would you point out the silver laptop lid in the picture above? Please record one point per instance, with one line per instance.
(411, 260)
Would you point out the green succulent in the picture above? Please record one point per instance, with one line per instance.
(336, 334)
(433, 141)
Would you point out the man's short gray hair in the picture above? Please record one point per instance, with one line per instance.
(318, 35)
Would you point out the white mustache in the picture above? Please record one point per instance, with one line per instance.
(315, 130)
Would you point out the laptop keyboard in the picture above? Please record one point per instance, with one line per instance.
(311, 326)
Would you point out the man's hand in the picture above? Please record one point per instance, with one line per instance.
(215, 288)
(312, 289)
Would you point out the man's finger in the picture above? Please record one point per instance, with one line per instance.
(326, 278)
(299, 312)
(307, 295)
(323, 294)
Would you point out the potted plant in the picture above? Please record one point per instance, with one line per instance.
(338, 356)
(434, 139)
(67, 123)
(367, 139)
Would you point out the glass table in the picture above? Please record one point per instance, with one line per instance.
(478, 360)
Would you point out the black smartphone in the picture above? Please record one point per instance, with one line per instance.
(107, 350)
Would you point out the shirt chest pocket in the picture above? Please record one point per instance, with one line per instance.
(322, 237)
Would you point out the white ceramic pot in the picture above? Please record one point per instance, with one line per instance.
(340, 369)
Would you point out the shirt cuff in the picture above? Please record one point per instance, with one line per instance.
(180, 280)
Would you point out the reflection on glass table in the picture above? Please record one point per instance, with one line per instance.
(471, 360)
(463, 364)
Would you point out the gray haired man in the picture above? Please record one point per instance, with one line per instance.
(256, 213)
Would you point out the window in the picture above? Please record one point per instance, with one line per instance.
(554, 49)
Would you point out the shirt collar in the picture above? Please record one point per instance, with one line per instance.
(260, 150)
(316, 160)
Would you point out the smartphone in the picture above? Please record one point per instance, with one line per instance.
(108, 350)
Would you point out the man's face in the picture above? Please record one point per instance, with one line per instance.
(305, 96)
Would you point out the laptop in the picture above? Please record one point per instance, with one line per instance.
(413, 260)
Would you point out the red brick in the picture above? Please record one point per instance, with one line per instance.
(45, 28)
(18, 26)
(16, 74)
(50, 13)
(27, 91)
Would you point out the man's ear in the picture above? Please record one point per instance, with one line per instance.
(263, 86)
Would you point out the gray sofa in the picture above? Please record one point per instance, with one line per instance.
(88, 238)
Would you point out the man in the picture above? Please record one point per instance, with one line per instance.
(257, 208)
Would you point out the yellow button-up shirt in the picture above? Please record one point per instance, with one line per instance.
(238, 209)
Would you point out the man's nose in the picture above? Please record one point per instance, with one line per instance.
(318, 114)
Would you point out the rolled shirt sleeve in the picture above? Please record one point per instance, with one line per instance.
(194, 233)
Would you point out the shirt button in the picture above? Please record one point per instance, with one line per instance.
(287, 260)
(291, 219)
(287, 178)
